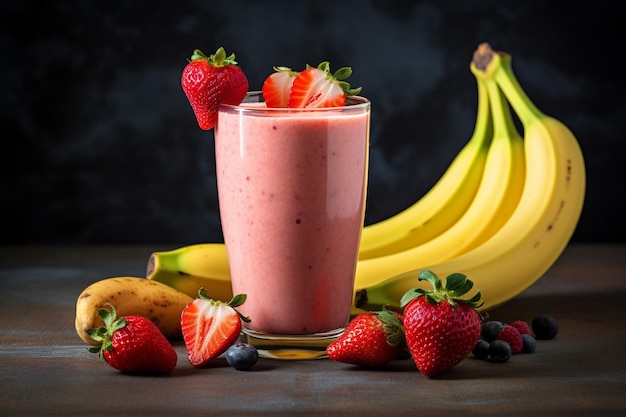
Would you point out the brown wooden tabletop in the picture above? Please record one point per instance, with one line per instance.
(47, 371)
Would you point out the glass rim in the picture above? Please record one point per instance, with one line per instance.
(353, 104)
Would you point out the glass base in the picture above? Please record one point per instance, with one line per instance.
(290, 347)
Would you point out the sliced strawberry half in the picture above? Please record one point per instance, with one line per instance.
(317, 87)
(277, 87)
(210, 327)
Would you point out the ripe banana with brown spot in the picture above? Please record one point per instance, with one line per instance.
(158, 302)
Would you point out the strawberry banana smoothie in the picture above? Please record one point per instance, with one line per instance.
(291, 186)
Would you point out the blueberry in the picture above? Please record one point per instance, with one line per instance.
(242, 356)
(545, 326)
(490, 330)
(499, 351)
(529, 344)
(481, 349)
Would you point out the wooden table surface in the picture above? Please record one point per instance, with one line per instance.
(47, 371)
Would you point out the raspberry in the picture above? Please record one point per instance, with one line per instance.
(513, 337)
(522, 326)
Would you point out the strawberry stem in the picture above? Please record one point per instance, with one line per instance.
(218, 59)
(339, 77)
(280, 68)
(457, 285)
(236, 301)
(103, 334)
(392, 326)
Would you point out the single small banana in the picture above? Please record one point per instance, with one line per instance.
(535, 235)
(190, 267)
(131, 296)
(443, 204)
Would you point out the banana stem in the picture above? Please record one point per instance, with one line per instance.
(490, 64)
(504, 128)
(524, 107)
(161, 261)
(483, 130)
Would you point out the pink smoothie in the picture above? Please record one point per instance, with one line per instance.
(292, 194)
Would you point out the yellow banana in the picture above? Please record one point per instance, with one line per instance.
(499, 210)
(443, 204)
(537, 232)
(131, 296)
(498, 193)
(190, 267)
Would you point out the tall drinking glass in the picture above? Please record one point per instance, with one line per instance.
(292, 186)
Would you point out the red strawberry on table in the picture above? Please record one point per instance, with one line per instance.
(211, 81)
(132, 343)
(370, 339)
(210, 326)
(441, 329)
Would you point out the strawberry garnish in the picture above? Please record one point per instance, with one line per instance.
(317, 87)
(211, 81)
(441, 329)
(370, 339)
(210, 326)
(132, 343)
(277, 87)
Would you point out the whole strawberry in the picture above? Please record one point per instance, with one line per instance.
(370, 339)
(211, 81)
(210, 327)
(441, 329)
(132, 344)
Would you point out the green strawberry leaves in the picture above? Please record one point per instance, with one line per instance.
(392, 326)
(234, 302)
(456, 286)
(103, 334)
(218, 59)
(340, 77)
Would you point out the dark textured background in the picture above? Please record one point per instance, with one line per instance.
(100, 145)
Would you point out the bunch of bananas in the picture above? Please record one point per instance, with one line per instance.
(502, 213)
